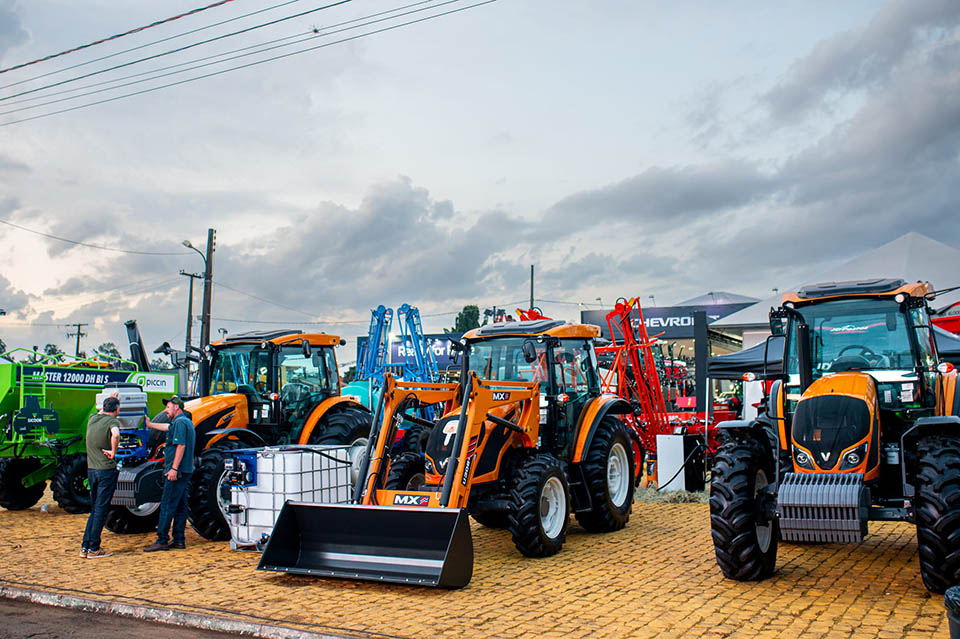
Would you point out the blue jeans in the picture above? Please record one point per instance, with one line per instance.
(173, 508)
(102, 485)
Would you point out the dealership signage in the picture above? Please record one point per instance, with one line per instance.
(669, 322)
(439, 343)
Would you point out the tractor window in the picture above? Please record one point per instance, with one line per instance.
(230, 369)
(299, 374)
(574, 371)
(921, 325)
(847, 335)
(502, 360)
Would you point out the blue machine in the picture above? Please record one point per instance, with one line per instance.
(420, 364)
(372, 357)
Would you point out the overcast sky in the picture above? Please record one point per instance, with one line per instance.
(623, 147)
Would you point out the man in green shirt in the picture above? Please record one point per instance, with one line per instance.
(103, 437)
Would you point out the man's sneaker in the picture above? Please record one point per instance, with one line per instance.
(83, 553)
(178, 545)
(156, 546)
(94, 554)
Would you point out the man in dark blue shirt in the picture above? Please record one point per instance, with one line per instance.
(177, 471)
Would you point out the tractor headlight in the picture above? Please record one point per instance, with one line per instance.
(803, 460)
(854, 458)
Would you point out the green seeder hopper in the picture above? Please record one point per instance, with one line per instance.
(44, 408)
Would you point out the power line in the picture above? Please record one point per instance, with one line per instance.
(172, 51)
(148, 44)
(262, 47)
(96, 246)
(119, 35)
(263, 299)
(275, 322)
(251, 64)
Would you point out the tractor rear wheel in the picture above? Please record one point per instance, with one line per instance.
(937, 508)
(13, 494)
(129, 520)
(205, 498)
(608, 469)
(406, 473)
(347, 426)
(540, 506)
(70, 485)
(745, 540)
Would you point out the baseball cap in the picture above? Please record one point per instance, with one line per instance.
(175, 399)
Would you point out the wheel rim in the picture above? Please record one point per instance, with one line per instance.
(357, 452)
(618, 471)
(552, 507)
(416, 482)
(764, 531)
(144, 510)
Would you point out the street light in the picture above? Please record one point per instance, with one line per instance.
(207, 294)
(600, 302)
(194, 248)
(653, 300)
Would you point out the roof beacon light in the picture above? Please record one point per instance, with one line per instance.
(749, 377)
(946, 367)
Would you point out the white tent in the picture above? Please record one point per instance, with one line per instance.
(910, 257)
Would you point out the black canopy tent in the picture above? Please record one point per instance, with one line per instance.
(751, 360)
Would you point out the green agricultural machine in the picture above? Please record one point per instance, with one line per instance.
(44, 408)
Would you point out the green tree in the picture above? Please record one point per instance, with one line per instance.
(160, 363)
(53, 351)
(111, 354)
(467, 319)
(350, 375)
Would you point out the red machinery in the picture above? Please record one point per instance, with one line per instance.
(948, 322)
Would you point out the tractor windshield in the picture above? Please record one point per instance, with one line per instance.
(850, 335)
(236, 366)
(502, 360)
(303, 375)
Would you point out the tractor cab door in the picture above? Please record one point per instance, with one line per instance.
(304, 381)
(261, 379)
(575, 383)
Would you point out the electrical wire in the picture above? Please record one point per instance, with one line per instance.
(244, 66)
(148, 44)
(116, 36)
(157, 74)
(177, 50)
(96, 246)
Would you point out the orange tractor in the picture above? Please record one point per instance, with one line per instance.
(526, 438)
(266, 388)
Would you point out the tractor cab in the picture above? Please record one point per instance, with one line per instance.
(282, 375)
(557, 355)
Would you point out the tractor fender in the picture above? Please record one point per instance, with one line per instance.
(247, 437)
(923, 427)
(758, 429)
(590, 418)
(322, 409)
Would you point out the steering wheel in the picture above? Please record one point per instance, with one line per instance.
(295, 391)
(865, 352)
(852, 362)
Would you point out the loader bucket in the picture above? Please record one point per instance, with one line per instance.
(419, 546)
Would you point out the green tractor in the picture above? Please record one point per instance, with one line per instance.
(44, 408)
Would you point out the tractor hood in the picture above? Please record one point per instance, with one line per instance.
(217, 411)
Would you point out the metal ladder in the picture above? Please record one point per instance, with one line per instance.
(32, 384)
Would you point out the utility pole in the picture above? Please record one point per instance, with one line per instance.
(189, 340)
(531, 286)
(78, 335)
(205, 320)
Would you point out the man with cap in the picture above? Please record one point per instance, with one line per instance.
(177, 471)
(102, 439)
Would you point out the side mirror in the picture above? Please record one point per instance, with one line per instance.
(305, 348)
(777, 322)
(529, 352)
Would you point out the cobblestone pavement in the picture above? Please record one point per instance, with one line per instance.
(656, 578)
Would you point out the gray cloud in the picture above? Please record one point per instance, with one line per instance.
(859, 58)
(12, 34)
(9, 165)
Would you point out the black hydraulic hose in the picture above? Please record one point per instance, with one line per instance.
(453, 460)
(682, 466)
(304, 449)
(375, 424)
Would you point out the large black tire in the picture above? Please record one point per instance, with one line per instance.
(608, 470)
(415, 438)
(406, 473)
(345, 426)
(937, 508)
(540, 506)
(13, 495)
(123, 520)
(745, 545)
(203, 501)
(70, 485)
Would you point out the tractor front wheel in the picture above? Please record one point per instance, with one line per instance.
(13, 494)
(540, 506)
(206, 497)
(406, 473)
(129, 520)
(744, 529)
(70, 485)
(937, 508)
(608, 469)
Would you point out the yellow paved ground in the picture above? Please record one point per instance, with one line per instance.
(656, 578)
